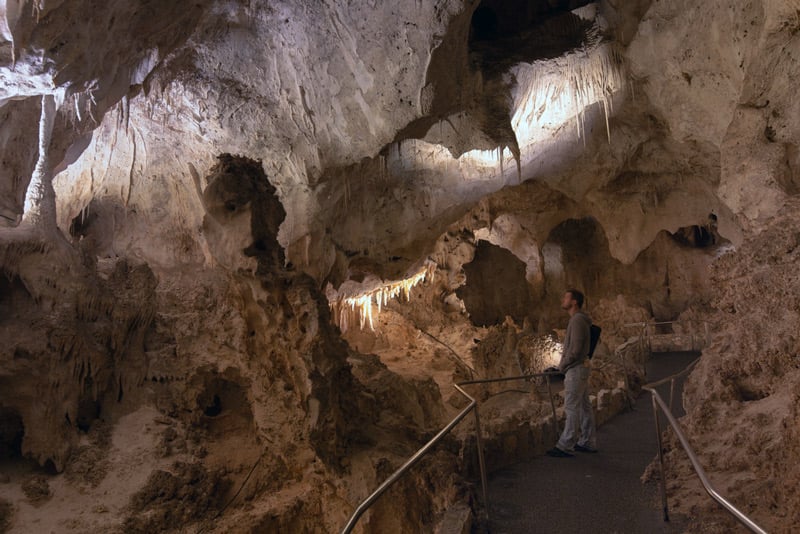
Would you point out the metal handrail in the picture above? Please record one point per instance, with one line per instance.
(649, 323)
(658, 402)
(417, 456)
(644, 339)
(672, 378)
(547, 375)
(658, 323)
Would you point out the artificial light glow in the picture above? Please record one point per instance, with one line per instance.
(549, 93)
(347, 308)
(546, 96)
(418, 155)
(541, 352)
(487, 158)
(552, 356)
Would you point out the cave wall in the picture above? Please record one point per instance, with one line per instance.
(242, 361)
(495, 286)
(562, 246)
(371, 134)
(749, 375)
(301, 121)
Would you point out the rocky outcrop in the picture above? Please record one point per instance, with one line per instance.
(74, 330)
(243, 357)
(749, 374)
(215, 166)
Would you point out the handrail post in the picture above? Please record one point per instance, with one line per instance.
(481, 462)
(628, 400)
(647, 349)
(671, 393)
(698, 469)
(661, 460)
(552, 406)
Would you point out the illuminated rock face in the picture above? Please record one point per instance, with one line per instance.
(233, 180)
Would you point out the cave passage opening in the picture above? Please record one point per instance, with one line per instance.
(224, 406)
(12, 431)
(494, 19)
(14, 297)
(699, 235)
(576, 254)
(496, 286)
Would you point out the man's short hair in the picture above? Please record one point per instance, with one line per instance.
(577, 295)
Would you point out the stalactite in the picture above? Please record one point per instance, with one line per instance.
(569, 85)
(13, 251)
(346, 308)
(126, 112)
(42, 206)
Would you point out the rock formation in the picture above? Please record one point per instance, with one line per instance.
(247, 249)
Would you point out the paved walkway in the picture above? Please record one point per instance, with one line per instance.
(591, 493)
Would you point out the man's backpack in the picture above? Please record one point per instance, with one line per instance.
(594, 337)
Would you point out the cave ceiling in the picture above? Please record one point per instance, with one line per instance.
(381, 124)
(201, 202)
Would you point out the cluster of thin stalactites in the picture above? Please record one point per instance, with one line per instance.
(361, 308)
(570, 84)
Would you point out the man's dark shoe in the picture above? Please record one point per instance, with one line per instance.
(581, 448)
(555, 452)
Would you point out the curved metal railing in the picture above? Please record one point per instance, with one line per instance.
(658, 402)
(417, 456)
(645, 337)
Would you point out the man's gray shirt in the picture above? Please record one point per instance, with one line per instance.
(576, 341)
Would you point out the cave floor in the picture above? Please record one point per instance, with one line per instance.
(589, 493)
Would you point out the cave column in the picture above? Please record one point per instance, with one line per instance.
(42, 207)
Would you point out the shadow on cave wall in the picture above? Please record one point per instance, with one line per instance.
(237, 187)
(495, 287)
(504, 32)
(12, 430)
(237, 184)
(664, 279)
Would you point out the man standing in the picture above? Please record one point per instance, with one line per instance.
(579, 428)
